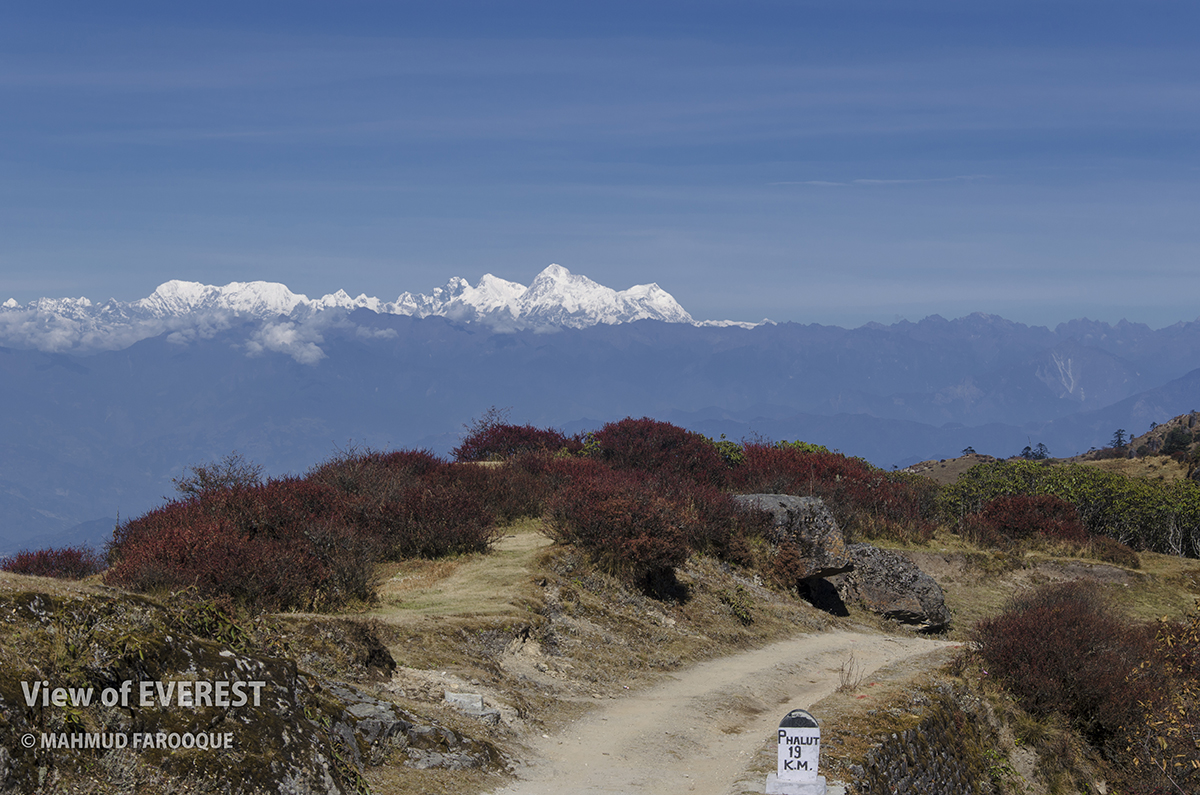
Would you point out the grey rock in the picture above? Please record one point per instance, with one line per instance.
(371, 727)
(807, 523)
(889, 584)
(472, 704)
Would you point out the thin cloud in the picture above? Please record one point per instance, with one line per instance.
(828, 183)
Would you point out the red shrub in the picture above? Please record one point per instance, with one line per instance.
(1062, 648)
(659, 447)
(787, 567)
(492, 439)
(643, 526)
(509, 492)
(282, 545)
(556, 472)
(183, 545)
(866, 501)
(67, 563)
(413, 504)
(715, 524)
(370, 472)
(433, 521)
(622, 522)
(1021, 516)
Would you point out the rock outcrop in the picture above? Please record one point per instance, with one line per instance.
(108, 692)
(889, 584)
(808, 524)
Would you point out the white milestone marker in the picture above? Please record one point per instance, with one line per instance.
(799, 753)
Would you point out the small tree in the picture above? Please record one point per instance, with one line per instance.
(231, 471)
(1177, 440)
(1119, 439)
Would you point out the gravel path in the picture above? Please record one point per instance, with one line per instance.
(698, 732)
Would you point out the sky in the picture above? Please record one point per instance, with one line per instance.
(819, 162)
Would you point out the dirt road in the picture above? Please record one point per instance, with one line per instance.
(699, 731)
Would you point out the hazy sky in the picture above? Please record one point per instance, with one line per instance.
(833, 162)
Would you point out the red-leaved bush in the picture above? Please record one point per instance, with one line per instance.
(639, 525)
(622, 521)
(1017, 517)
(492, 439)
(302, 543)
(867, 502)
(432, 521)
(282, 545)
(659, 448)
(1063, 648)
(182, 545)
(416, 505)
(506, 491)
(66, 563)
(371, 473)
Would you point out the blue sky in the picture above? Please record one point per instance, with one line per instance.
(834, 162)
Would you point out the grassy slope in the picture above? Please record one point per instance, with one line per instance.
(1156, 467)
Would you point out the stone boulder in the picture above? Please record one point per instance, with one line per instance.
(889, 584)
(808, 524)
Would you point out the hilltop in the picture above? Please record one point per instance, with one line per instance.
(568, 622)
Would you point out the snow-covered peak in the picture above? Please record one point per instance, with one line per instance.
(342, 300)
(291, 322)
(492, 294)
(560, 297)
(253, 298)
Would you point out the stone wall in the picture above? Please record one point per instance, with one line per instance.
(946, 754)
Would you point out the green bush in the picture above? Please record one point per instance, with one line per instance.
(1153, 515)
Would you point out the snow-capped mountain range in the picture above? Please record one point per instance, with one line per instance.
(292, 323)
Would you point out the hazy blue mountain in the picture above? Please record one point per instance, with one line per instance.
(94, 434)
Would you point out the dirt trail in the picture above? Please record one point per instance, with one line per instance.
(699, 731)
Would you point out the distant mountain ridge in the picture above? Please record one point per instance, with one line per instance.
(556, 298)
(102, 404)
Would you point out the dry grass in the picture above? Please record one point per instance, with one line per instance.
(947, 470)
(978, 583)
(549, 633)
(1157, 467)
(850, 676)
(23, 582)
(494, 584)
(395, 780)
